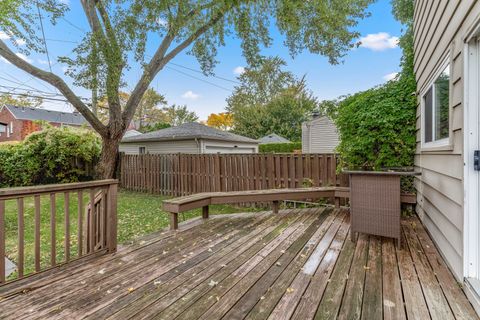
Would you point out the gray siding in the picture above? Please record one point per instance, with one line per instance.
(319, 136)
(440, 27)
(181, 146)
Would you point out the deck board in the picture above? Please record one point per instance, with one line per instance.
(298, 264)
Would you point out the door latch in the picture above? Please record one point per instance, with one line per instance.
(476, 160)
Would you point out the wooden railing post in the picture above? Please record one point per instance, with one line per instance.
(112, 217)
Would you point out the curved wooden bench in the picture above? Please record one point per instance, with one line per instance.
(203, 200)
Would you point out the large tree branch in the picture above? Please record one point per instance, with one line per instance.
(55, 81)
(159, 61)
(110, 50)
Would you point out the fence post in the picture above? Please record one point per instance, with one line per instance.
(112, 217)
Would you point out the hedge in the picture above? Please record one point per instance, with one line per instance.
(53, 155)
(280, 147)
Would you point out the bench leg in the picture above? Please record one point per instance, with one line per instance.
(205, 212)
(275, 206)
(173, 221)
(337, 203)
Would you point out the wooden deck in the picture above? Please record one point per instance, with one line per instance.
(299, 264)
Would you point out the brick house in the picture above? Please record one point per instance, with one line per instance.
(18, 122)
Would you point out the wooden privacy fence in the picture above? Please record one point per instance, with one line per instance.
(44, 226)
(184, 174)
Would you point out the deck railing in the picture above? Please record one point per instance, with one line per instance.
(45, 226)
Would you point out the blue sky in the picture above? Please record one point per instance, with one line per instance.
(363, 68)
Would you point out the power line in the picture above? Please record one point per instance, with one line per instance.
(73, 25)
(198, 71)
(19, 83)
(199, 79)
(43, 35)
(32, 96)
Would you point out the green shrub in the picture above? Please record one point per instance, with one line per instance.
(377, 126)
(53, 155)
(280, 147)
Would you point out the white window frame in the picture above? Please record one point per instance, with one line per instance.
(445, 143)
(145, 148)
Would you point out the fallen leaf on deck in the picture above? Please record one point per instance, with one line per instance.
(262, 297)
(101, 271)
(366, 268)
(157, 282)
(290, 290)
(130, 289)
(212, 283)
(282, 251)
(278, 264)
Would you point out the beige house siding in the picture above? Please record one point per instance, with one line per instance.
(319, 136)
(440, 28)
(180, 146)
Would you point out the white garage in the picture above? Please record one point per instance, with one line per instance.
(188, 138)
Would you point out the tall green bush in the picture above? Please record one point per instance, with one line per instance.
(53, 155)
(377, 126)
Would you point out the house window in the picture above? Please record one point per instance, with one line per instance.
(141, 150)
(436, 111)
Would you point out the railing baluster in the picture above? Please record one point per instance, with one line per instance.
(67, 225)
(91, 222)
(21, 238)
(53, 248)
(37, 233)
(80, 223)
(2, 241)
(102, 218)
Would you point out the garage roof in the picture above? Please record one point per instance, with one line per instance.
(192, 130)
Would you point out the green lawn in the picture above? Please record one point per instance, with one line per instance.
(138, 214)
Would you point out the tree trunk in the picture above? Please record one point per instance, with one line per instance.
(107, 165)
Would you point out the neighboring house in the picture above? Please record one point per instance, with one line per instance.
(273, 138)
(18, 122)
(131, 133)
(319, 135)
(188, 138)
(447, 62)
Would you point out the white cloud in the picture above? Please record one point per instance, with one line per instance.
(190, 95)
(390, 76)
(45, 62)
(4, 60)
(24, 57)
(4, 36)
(379, 41)
(239, 70)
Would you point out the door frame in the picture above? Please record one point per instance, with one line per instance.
(471, 256)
